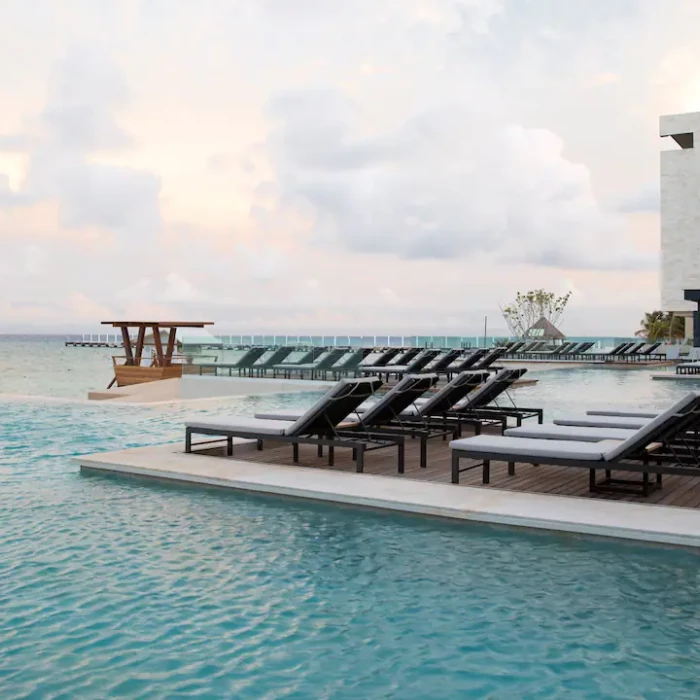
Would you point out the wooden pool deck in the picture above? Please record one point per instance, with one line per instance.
(561, 481)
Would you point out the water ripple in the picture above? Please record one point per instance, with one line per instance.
(114, 588)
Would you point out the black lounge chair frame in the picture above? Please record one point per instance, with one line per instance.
(668, 450)
(324, 432)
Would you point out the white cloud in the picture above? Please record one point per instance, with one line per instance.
(444, 184)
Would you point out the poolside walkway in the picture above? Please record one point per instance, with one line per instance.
(551, 498)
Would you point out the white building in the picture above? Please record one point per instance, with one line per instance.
(680, 214)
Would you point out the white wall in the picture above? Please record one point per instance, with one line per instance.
(680, 213)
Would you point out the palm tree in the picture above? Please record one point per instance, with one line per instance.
(658, 325)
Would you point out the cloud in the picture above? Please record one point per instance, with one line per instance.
(444, 183)
(10, 198)
(86, 93)
(646, 199)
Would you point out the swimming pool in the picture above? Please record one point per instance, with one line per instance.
(113, 588)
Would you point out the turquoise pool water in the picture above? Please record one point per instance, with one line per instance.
(114, 588)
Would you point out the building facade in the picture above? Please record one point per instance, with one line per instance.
(680, 214)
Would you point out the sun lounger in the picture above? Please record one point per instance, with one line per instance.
(466, 363)
(552, 431)
(618, 348)
(625, 422)
(658, 447)
(488, 359)
(626, 413)
(246, 361)
(324, 362)
(418, 364)
(482, 404)
(263, 364)
(391, 414)
(382, 360)
(443, 362)
(347, 366)
(407, 356)
(322, 425)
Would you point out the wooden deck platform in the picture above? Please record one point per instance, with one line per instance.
(678, 491)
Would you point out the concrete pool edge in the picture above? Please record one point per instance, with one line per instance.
(612, 519)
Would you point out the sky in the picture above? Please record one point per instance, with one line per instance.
(305, 166)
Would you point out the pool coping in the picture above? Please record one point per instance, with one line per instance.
(621, 520)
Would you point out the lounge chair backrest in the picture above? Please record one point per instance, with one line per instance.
(444, 399)
(250, 356)
(626, 348)
(277, 357)
(425, 358)
(386, 357)
(491, 390)
(407, 356)
(617, 349)
(585, 347)
(334, 406)
(636, 347)
(330, 358)
(398, 399)
(309, 356)
(471, 360)
(667, 424)
(516, 347)
(445, 360)
(649, 350)
(354, 359)
(492, 355)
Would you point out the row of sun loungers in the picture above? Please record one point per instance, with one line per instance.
(340, 362)
(622, 352)
(345, 418)
(646, 442)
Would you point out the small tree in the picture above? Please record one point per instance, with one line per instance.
(522, 313)
(658, 325)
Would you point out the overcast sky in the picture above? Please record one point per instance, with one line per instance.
(372, 166)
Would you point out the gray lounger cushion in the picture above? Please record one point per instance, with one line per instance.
(549, 431)
(233, 423)
(603, 422)
(526, 448)
(628, 412)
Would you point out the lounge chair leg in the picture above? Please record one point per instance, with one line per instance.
(295, 452)
(659, 483)
(401, 457)
(319, 450)
(511, 468)
(188, 440)
(229, 446)
(360, 461)
(608, 474)
(455, 468)
(645, 484)
(487, 471)
(354, 454)
(259, 445)
(591, 479)
(331, 456)
(424, 451)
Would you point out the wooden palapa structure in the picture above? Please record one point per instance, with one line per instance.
(132, 367)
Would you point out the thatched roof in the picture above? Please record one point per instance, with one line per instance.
(545, 330)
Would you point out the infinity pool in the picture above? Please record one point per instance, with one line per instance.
(116, 588)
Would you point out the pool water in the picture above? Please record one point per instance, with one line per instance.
(114, 588)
